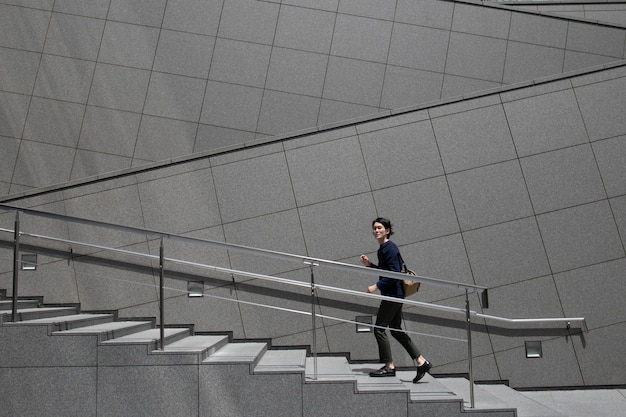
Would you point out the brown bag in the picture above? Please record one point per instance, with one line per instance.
(410, 287)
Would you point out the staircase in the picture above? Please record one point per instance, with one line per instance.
(57, 361)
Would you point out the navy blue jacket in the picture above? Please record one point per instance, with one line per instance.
(389, 259)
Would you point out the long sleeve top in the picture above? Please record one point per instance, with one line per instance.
(389, 259)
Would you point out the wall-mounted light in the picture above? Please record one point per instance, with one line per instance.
(363, 324)
(533, 349)
(29, 262)
(195, 289)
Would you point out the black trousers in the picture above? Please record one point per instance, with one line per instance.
(390, 315)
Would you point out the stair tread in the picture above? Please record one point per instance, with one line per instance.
(274, 361)
(428, 389)
(483, 400)
(146, 336)
(194, 344)
(329, 368)
(526, 407)
(237, 352)
(40, 309)
(7, 304)
(103, 327)
(63, 319)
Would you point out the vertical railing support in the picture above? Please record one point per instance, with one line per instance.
(16, 265)
(469, 347)
(161, 300)
(313, 321)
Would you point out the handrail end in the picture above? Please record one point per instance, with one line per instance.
(484, 295)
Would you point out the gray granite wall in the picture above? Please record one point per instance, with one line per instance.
(521, 191)
(92, 87)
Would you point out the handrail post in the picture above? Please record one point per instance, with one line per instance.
(161, 301)
(16, 264)
(469, 347)
(313, 323)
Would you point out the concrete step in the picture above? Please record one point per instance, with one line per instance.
(525, 406)
(282, 361)
(149, 336)
(483, 400)
(136, 349)
(329, 369)
(21, 303)
(59, 323)
(202, 345)
(237, 353)
(108, 330)
(337, 369)
(37, 313)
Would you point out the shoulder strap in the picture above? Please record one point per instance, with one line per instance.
(404, 268)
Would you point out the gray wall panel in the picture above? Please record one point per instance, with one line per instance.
(59, 391)
(505, 253)
(598, 352)
(350, 218)
(580, 236)
(277, 231)
(603, 107)
(491, 194)
(42, 161)
(19, 69)
(361, 38)
(120, 88)
(245, 190)
(23, 28)
(108, 131)
(250, 21)
(558, 363)
(611, 158)
(74, 36)
(132, 12)
(14, 112)
(470, 19)
(423, 208)
(386, 166)
(562, 178)
(96, 8)
(54, 122)
(544, 123)
(475, 56)
(286, 111)
(463, 136)
(546, 32)
(10, 148)
(147, 390)
(128, 45)
(174, 97)
(437, 14)
(327, 171)
(581, 38)
(524, 61)
(597, 283)
(184, 202)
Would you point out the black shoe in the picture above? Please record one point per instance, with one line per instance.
(384, 371)
(421, 371)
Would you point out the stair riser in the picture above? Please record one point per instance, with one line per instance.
(34, 315)
(7, 305)
(31, 346)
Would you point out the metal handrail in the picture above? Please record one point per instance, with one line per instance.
(306, 260)
(297, 283)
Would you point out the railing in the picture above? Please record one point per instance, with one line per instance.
(310, 262)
